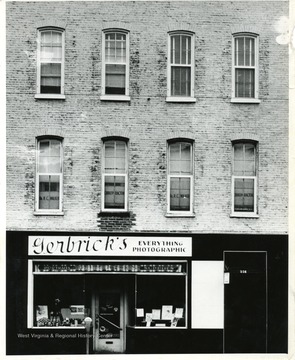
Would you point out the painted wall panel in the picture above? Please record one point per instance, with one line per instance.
(207, 295)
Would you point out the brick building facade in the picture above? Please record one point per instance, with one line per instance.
(205, 116)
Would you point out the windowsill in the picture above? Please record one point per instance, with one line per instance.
(180, 99)
(244, 215)
(57, 327)
(177, 214)
(50, 96)
(245, 101)
(115, 97)
(156, 327)
(50, 213)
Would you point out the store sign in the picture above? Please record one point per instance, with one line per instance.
(110, 246)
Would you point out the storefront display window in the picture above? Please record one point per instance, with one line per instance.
(161, 301)
(62, 293)
(59, 300)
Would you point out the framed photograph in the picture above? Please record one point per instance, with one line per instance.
(167, 312)
(77, 309)
(139, 312)
(41, 312)
(156, 314)
(178, 313)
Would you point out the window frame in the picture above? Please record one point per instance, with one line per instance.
(38, 94)
(254, 213)
(39, 211)
(178, 213)
(179, 98)
(125, 175)
(115, 97)
(255, 98)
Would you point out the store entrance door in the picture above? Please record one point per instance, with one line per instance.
(245, 301)
(109, 329)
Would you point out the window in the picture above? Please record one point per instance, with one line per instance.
(180, 177)
(49, 176)
(50, 68)
(115, 67)
(244, 180)
(180, 67)
(245, 68)
(114, 194)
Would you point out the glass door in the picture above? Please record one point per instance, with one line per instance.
(108, 333)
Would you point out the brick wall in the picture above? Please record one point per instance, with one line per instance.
(82, 119)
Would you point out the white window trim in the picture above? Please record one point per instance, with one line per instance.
(244, 213)
(174, 213)
(38, 93)
(169, 97)
(39, 211)
(104, 174)
(255, 99)
(114, 97)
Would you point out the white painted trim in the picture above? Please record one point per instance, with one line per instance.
(58, 211)
(114, 97)
(255, 99)
(50, 96)
(104, 174)
(244, 213)
(191, 65)
(249, 214)
(181, 99)
(62, 62)
(245, 100)
(190, 176)
(30, 304)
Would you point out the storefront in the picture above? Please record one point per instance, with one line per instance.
(160, 293)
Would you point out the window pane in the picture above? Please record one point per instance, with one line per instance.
(51, 78)
(180, 158)
(244, 195)
(69, 290)
(115, 79)
(49, 186)
(239, 49)
(115, 157)
(185, 50)
(179, 194)
(249, 160)
(175, 49)
(49, 157)
(114, 192)
(244, 83)
(180, 81)
(155, 291)
(115, 48)
(244, 159)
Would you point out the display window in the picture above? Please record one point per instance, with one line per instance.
(62, 293)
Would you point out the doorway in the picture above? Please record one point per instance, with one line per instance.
(109, 311)
(245, 302)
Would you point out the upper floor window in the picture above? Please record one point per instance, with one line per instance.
(245, 68)
(244, 179)
(180, 82)
(180, 177)
(115, 65)
(49, 176)
(50, 64)
(114, 176)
